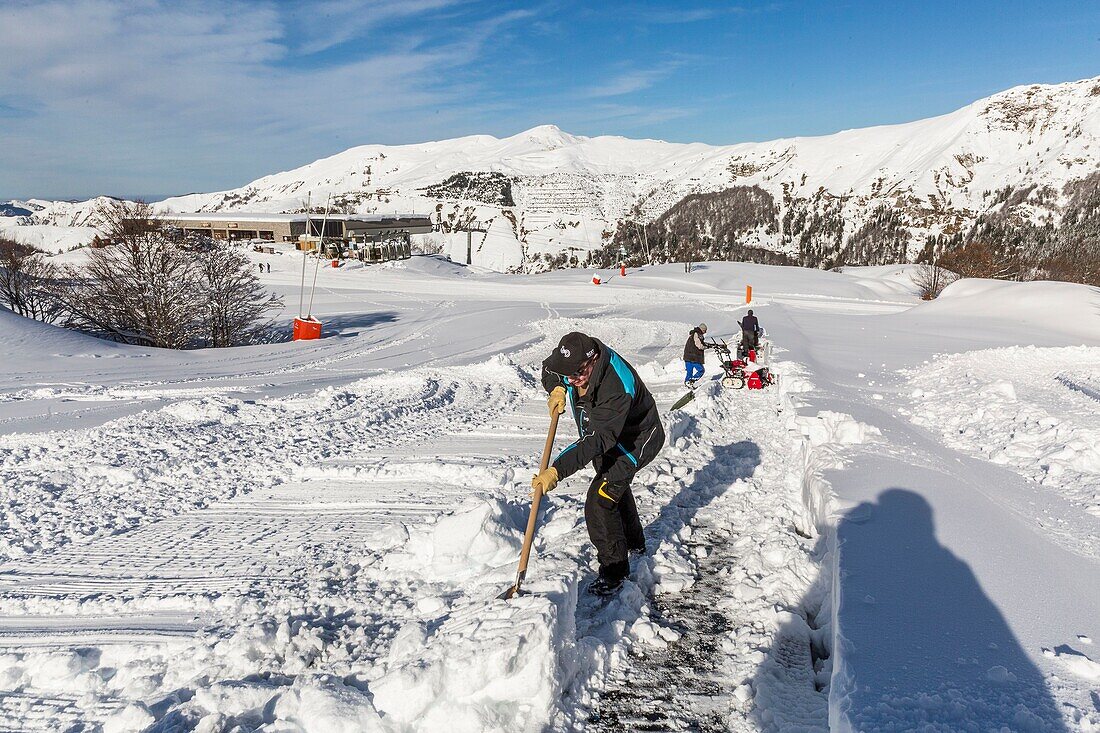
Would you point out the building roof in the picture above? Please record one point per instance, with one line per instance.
(258, 216)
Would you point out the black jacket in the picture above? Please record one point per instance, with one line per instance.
(616, 413)
(691, 351)
(750, 324)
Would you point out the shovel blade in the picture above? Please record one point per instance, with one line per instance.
(682, 401)
(512, 592)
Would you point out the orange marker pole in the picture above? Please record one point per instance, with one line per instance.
(748, 293)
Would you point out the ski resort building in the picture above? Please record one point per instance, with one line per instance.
(289, 227)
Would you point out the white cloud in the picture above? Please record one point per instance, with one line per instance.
(630, 82)
(158, 92)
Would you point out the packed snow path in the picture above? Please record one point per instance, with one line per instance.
(745, 655)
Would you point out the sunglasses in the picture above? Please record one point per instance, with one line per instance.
(585, 367)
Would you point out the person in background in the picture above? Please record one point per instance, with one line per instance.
(750, 332)
(693, 355)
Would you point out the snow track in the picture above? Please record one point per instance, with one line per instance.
(741, 655)
(275, 581)
(70, 486)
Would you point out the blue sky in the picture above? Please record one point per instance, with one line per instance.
(157, 97)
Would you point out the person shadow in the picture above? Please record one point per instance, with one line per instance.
(922, 647)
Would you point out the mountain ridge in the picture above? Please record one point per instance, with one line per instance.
(934, 178)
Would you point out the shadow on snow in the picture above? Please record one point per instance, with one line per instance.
(924, 646)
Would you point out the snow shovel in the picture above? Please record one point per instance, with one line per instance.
(529, 535)
(683, 401)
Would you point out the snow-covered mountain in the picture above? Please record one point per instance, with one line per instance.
(874, 194)
(934, 176)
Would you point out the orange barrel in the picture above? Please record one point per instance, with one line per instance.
(306, 329)
(336, 263)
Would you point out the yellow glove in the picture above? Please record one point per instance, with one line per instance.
(545, 481)
(556, 401)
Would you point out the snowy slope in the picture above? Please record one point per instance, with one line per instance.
(309, 536)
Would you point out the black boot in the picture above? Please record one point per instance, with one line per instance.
(610, 580)
(604, 587)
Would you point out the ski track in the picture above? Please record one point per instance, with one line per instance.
(213, 586)
(71, 486)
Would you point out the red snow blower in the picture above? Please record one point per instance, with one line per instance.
(743, 371)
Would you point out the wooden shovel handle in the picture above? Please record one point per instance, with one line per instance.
(529, 535)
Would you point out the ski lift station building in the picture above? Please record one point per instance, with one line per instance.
(289, 227)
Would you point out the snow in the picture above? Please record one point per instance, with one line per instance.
(496, 249)
(1069, 309)
(48, 237)
(901, 534)
(1029, 413)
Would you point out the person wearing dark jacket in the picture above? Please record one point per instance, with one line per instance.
(619, 432)
(693, 354)
(750, 332)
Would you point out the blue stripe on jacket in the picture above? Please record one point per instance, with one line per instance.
(625, 375)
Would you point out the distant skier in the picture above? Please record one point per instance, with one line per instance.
(620, 432)
(269, 267)
(693, 355)
(750, 332)
(261, 266)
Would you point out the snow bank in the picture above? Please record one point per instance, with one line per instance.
(1032, 409)
(1047, 306)
(823, 439)
(478, 537)
(493, 668)
(25, 341)
(309, 704)
(49, 238)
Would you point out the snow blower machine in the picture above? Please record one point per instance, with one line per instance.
(749, 369)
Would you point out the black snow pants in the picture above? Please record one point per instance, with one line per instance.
(610, 511)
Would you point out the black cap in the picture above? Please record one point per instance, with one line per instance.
(572, 351)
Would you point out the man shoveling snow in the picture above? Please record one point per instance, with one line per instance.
(620, 432)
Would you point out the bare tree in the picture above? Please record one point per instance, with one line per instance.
(979, 259)
(28, 282)
(931, 279)
(142, 292)
(234, 303)
(123, 222)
